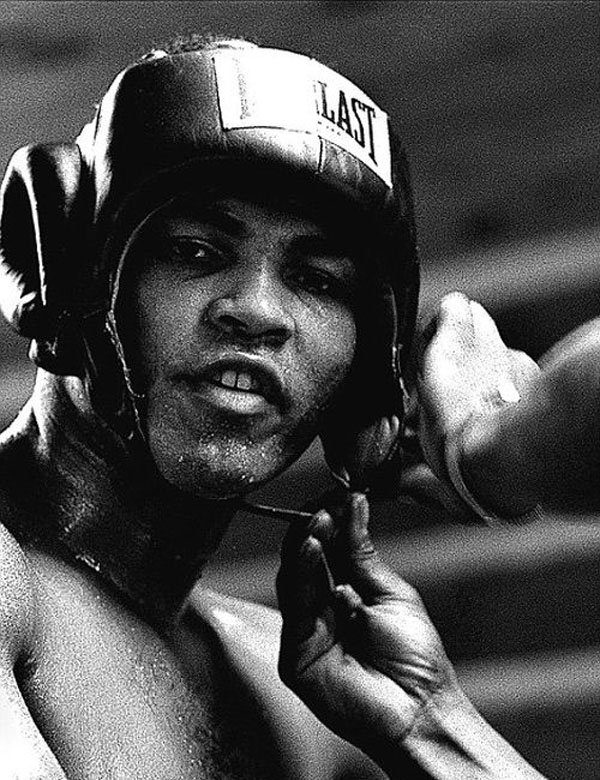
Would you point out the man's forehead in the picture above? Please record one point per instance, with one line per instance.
(234, 211)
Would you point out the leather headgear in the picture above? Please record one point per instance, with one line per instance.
(67, 211)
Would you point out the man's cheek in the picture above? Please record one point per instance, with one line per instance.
(324, 380)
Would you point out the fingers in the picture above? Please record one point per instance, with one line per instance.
(457, 312)
(362, 567)
(322, 554)
(450, 348)
(325, 561)
(453, 314)
(508, 362)
(467, 368)
(344, 537)
(420, 483)
(357, 528)
(304, 591)
(347, 600)
(515, 369)
(462, 319)
(454, 310)
(304, 582)
(524, 370)
(467, 327)
(464, 322)
(483, 325)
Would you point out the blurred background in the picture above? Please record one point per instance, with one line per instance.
(497, 103)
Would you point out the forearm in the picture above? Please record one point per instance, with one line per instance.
(546, 447)
(451, 740)
(543, 449)
(500, 457)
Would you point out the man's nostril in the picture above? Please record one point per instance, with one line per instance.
(231, 323)
(250, 318)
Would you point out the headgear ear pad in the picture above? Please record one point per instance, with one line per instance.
(50, 291)
(65, 218)
(39, 229)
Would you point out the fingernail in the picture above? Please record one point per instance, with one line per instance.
(508, 392)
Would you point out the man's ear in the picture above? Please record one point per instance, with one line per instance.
(369, 459)
(41, 250)
(362, 431)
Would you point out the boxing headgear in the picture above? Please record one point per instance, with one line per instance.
(67, 212)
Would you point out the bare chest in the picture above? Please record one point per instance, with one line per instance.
(115, 701)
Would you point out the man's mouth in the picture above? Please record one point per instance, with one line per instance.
(238, 385)
(237, 380)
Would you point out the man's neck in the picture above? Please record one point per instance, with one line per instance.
(105, 508)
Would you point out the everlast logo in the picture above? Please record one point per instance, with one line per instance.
(350, 114)
(260, 88)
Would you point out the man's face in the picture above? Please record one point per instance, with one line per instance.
(239, 331)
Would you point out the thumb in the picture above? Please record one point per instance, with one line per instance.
(366, 573)
(304, 591)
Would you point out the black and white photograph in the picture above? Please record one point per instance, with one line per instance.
(299, 389)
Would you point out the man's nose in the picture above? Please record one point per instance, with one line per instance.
(253, 309)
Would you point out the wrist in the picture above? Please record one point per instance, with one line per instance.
(450, 739)
(488, 473)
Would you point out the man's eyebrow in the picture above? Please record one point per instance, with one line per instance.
(214, 215)
(322, 244)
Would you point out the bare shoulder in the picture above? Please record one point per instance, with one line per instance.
(237, 622)
(17, 600)
(249, 636)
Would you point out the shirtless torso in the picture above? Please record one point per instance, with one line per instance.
(98, 537)
(90, 688)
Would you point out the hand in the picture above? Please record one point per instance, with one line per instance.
(357, 645)
(544, 449)
(465, 371)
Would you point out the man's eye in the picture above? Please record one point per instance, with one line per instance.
(314, 281)
(195, 255)
(192, 251)
(320, 282)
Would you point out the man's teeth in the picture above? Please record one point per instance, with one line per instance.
(228, 378)
(236, 380)
(244, 382)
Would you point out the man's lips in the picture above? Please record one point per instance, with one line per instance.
(241, 381)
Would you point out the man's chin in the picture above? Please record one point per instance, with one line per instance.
(221, 466)
(216, 479)
(215, 487)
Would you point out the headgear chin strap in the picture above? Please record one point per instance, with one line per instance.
(171, 122)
